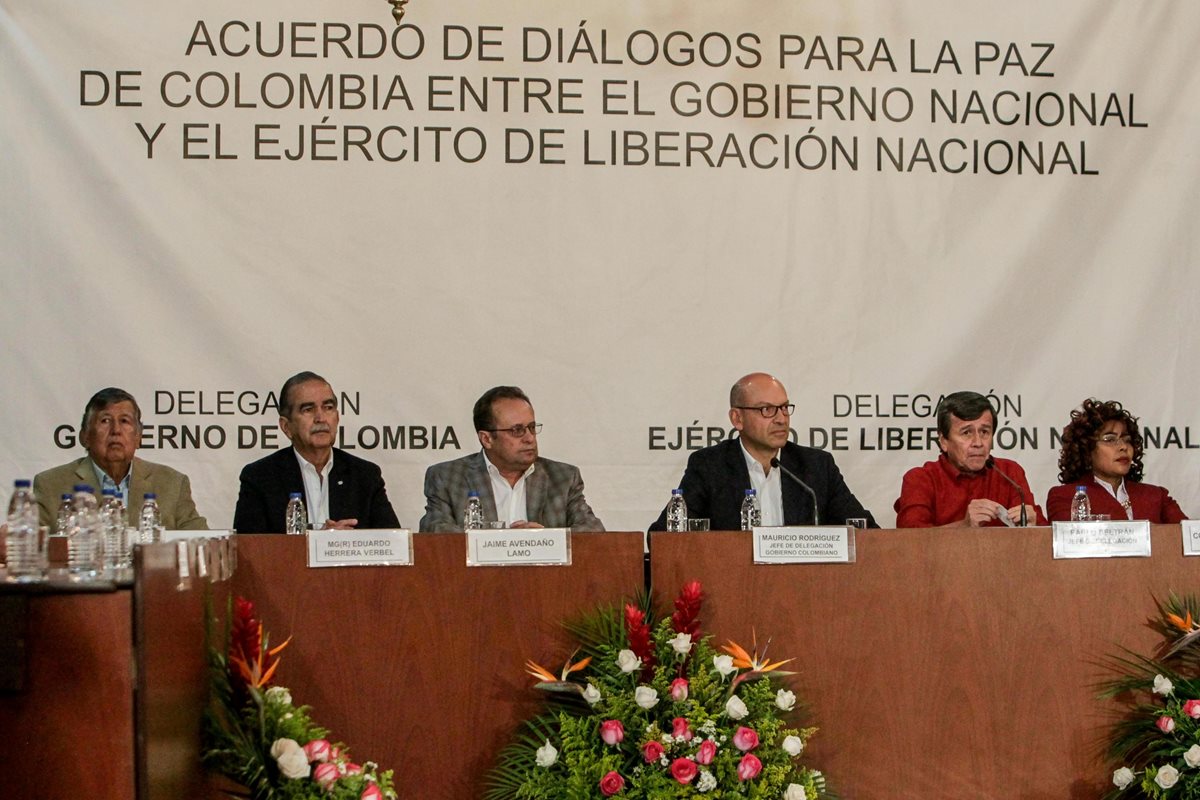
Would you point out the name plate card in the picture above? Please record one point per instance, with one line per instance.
(1114, 539)
(1191, 537)
(365, 548)
(519, 547)
(804, 545)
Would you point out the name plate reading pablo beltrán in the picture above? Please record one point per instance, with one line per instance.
(1114, 539)
(515, 547)
(1191, 537)
(175, 535)
(365, 548)
(804, 545)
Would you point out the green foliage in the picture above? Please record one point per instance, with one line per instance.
(581, 758)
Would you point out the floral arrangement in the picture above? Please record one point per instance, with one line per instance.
(258, 738)
(652, 710)
(1157, 742)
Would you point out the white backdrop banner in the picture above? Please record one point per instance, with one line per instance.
(620, 207)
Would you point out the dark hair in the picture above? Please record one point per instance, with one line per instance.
(285, 399)
(482, 413)
(102, 400)
(966, 406)
(1081, 434)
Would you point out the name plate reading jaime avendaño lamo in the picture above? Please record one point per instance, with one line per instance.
(1191, 537)
(519, 547)
(1113, 539)
(365, 548)
(804, 545)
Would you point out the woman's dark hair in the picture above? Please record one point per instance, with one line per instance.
(1079, 439)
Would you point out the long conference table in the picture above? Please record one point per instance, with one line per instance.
(942, 663)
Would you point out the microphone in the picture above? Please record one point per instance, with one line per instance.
(816, 513)
(991, 464)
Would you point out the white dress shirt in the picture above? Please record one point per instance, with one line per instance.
(316, 489)
(768, 487)
(1119, 494)
(510, 500)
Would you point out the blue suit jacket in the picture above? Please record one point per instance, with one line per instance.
(716, 479)
(356, 491)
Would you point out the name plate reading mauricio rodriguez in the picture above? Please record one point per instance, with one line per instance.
(804, 545)
(1191, 537)
(364, 548)
(1114, 539)
(519, 547)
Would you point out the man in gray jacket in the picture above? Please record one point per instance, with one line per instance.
(515, 486)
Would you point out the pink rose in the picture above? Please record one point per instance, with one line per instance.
(351, 769)
(679, 690)
(745, 739)
(613, 733)
(317, 750)
(684, 770)
(611, 783)
(326, 774)
(371, 793)
(707, 752)
(1165, 724)
(1192, 708)
(652, 751)
(680, 729)
(748, 767)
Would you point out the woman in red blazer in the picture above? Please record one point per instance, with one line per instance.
(1102, 450)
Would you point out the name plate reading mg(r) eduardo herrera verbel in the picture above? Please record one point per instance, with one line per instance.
(804, 545)
(365, 548)
(514, 547)
(1113, 539)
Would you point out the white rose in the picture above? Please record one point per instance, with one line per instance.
(723, 664)
(795, 792)
(591, 694)
(785, 700)
(1122, 777)
(628, 661)
(681, 643)
(645, 697)
(279, 694)
(1167, 776)
(281, 746)
(546, 755)
(735, 708)
(293, 762)
(1163, 685)
(1192, 756)
(793, 745)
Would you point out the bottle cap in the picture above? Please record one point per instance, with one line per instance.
(750, 492)
(294, 495)
(109, 492)
(150, 496)
(83, 487)
(676, 491)
(1081, 488)
(472, 493)
(21, 483)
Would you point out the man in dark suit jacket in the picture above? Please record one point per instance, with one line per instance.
(534, 492)
(341, 491)
(716, 479)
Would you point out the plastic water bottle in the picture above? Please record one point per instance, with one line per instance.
(149, 520)
(83, 534)
(677, 514)
(1081, 507)
(24, 559)
(751, 516)
(473, 515)
(295, 519)
(112, 522)
(64, 515)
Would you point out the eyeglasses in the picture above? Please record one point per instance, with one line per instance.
(517, 431)
(1112, 439)
(771, 411)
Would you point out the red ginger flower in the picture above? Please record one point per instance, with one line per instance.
(638, 632)
(686, 618)
(249, 662)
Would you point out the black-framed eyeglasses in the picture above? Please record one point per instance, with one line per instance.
(517, 431)
(771, 411)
